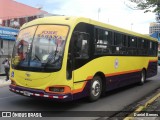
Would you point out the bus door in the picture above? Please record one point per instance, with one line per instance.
(80, 49)
(80, 55)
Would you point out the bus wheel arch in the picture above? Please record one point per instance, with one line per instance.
(97, 86)
(103, 78)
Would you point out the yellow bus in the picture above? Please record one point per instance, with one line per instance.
(67, 58)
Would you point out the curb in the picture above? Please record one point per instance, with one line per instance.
(141, 107)
(4, 83)
(152, 100)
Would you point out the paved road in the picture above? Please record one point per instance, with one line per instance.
(113, 101)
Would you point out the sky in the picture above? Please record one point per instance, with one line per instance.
(114, 12)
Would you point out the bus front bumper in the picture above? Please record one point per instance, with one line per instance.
(40, 93)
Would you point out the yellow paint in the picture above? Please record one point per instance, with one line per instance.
(16, 60)
(106, 66)
(131, 116)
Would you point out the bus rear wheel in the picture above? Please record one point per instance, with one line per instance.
(96, 89)
(143, 77)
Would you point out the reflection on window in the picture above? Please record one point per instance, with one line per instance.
(117, 43)
(22, 47)
(81, 44)
(40, 47)
(103, 41)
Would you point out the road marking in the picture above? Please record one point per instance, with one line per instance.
(142, 107)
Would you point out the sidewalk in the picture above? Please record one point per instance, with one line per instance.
(148, 109)
(3, 82)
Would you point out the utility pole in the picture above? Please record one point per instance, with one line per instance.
(99, 10)
(131, 25)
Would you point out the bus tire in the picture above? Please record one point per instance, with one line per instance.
(95, 89)
(143, 77)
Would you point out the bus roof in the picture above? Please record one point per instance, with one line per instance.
(72, 21)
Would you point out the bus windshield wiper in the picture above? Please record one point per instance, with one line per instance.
(55, 52)
(51, 56)
(37, 58)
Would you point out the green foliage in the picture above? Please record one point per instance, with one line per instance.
(147, 5)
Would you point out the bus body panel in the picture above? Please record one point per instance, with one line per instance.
(39, 81)
(115, 66)
(30, 87)
(112, 65)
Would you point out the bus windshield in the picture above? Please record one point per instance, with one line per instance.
(40, 48)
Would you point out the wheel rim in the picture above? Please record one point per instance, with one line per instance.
(96, 88)
(143, 77)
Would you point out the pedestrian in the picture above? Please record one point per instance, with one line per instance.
(6, 68)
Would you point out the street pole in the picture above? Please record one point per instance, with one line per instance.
(131, 25)
(99, 10)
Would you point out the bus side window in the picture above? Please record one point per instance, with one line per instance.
(132, 44)
(103, 41)
(81, 45)
(152, 48)
(118, 43)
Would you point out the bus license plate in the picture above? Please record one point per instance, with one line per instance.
(26, 93)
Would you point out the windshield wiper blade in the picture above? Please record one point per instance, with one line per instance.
(37, 57)
(55, 52)
(53, 56)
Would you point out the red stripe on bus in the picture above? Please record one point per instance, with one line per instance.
(89, 77)
(153, 61)
(124, 72)
(119, 73)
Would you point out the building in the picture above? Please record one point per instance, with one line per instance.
(157, 35)
(154, 27)
(15, 14)
(154, 31)
(7, 38)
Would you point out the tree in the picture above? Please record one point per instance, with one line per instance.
(146, 5)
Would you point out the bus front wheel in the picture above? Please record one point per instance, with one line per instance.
(96, 89)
